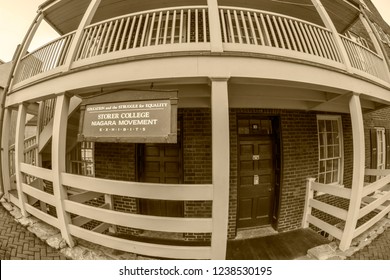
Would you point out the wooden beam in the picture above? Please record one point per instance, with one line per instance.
(329, 24)
(358, 172)
(19, 155)
(332, 100)
(220, 165)
(5, 159)
(215, 26)
(308, 197)
(85, 21)
(26, 43)
(60, 122)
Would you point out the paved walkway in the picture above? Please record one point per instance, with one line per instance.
(17, 243)
(379, 249)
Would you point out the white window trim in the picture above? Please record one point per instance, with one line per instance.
(340, 127)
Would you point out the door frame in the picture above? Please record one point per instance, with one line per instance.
(275, 197)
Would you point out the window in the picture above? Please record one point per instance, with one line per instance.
(330, 145)
(381, 148)
(82, 159)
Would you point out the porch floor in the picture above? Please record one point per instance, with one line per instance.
(284, 246)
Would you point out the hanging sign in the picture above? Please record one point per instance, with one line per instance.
(140, 121)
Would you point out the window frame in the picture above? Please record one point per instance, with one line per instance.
(341, 149)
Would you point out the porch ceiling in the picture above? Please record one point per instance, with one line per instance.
(64, 16)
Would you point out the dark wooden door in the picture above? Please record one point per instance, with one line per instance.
(161, 163)
(255, 182)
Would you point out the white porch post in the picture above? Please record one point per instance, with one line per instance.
(86, 20)
(19, 155)
(58, 150)
(215, 26)
(5, 152)
(358, 171)
(26, 43)
(220, 166)
(329, 24)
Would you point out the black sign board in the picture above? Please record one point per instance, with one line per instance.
(151, 118)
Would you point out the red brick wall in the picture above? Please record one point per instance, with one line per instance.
(116, 161)
(197, 162)
(299, 161)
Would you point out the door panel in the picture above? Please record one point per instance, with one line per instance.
(256, 181)
(161, 163)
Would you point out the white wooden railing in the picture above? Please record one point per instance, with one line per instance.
(46, 113)
(172, 27)
(44, 59)
(183, 29)
(375, 199)
(364, 59)
(93, 187)
(260, 28)
(312, 202)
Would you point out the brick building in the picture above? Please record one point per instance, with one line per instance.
(189, 124)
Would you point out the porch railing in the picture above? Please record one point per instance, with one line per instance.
(375, 204)
(106, 217)
(265, 29)
(46, 58)
(364, 59)
(183, 29)
(172, 27)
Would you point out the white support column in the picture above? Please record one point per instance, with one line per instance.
(19, 155)
(5, 152)
(358, 171)
(27, 41)
(220, 165)
(85, 21)
(215, 26)
(329, 24)
(58, 150)
(309, 196)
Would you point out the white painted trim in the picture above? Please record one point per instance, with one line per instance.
(220, 165)
(358, 172)
(335, 190)
(307, 208)
(334, 231)
(58, 153)
(149, 249)
(38, 194)
(165, 224)
(374, 204)
(19, 155)
(329, 24)
(43, 216)
(140, 190)
(36, 171)
(329, 209)
(5, 159)
(86, 20)
(214, 26)
(341, 144)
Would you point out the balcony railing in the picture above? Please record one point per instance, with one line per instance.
(364, 59)
(259, 28)
(182, 28)
(185, 29)
(44, 59)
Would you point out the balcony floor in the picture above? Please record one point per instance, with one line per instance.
(284, 246)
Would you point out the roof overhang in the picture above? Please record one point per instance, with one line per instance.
(65, 15)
